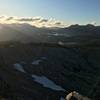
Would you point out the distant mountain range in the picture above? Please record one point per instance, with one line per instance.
(27, 33)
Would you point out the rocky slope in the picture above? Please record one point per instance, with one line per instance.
(27, 33)
(31, 72)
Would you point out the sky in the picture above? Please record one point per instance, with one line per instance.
(67, 11)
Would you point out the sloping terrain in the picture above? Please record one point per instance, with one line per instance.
(27, 33)
(34, 72)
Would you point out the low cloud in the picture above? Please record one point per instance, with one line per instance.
(58, 23)
(43, 20)
(36, 21)
(9, 18)
(27, 19)
(1, 17)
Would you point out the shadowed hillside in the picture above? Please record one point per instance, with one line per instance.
(32, 71)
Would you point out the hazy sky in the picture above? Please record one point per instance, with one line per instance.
(74, 11)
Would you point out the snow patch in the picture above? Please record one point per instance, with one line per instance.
(47, 83)
(36, 62)
(62, 98)
(19, 67)
(43, 58)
